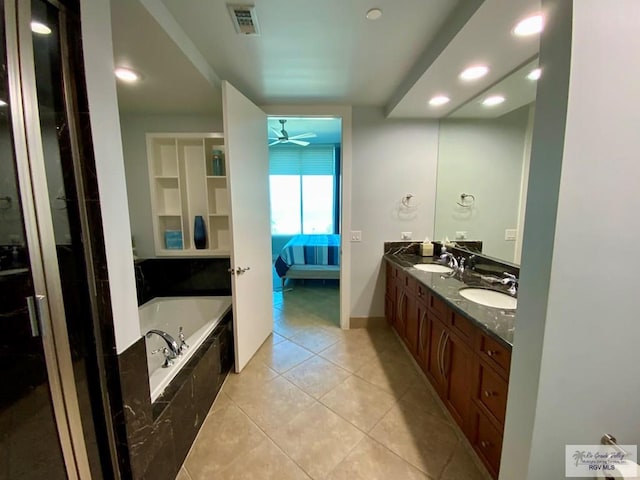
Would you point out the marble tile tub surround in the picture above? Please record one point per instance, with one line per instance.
(497, 322)
(159, 435)
(181, 277)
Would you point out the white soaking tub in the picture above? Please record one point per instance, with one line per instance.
(198, 316)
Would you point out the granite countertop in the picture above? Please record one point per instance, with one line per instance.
(499, 323)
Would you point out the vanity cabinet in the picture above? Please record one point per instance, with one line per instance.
(187, 181)
(468, 368)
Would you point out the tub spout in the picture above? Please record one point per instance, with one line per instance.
(171, 343)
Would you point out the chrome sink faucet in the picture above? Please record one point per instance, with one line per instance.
(450, 260)
(512, 281)
(174, 348)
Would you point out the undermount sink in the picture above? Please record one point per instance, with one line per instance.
(489, 298)
(432, 267)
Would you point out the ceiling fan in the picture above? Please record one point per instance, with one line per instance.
(283, 137)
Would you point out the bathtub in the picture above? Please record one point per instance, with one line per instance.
(198, 316)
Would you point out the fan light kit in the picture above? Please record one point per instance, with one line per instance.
(282, 136)
(475, 72)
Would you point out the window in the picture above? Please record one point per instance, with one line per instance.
(302, 188)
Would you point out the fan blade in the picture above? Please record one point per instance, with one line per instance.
(277, 133)
(298, 142)
(303, 135)
(273, 143)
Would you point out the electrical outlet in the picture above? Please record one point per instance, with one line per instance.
(356, 236)
(510, 234)
(405, 235)
(461, 235)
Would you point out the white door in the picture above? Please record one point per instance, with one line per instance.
(245, 130)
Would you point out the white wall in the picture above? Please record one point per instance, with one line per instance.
(107, 145)
(134, 128)
(391, 158)
(574, 372)
(484, 158)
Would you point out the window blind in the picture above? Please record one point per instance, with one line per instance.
(296, 160)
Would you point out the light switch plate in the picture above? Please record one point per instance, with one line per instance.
(510, 234)
(461, 235)
(405, 235)
(356, 235)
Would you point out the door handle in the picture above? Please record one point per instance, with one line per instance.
(421, 331)
(438, 352)
(35, 308)
(241, 270)
(444, 349)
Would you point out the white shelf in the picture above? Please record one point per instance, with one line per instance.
(182, 187)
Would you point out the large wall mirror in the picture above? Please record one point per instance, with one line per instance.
(483, 165)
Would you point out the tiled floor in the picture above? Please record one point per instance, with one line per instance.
(323, 403)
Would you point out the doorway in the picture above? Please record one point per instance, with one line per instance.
(52, 416)
(305, 165)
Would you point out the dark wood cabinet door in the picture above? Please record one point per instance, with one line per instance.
(422, 348)
(457, 363)
(389, 308)
(411, 325)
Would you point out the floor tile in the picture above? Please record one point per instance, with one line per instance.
(315, 339)
(462, 467)
(283, 356)
(265, 462)
(224, 436)
(359, 402)
(221, 402)
(254, 374)
(423, 440)
(371, 461)
(316, 376)
(317, 439)
(420, 398)
(391, 372)
(350, 355)
(183, 475)
(273, 404)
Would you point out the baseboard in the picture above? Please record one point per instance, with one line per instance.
(367, 322)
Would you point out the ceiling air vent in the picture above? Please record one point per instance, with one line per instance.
(244, 19)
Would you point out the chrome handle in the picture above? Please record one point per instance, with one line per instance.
(487, 393)
(491, 353)
(485, 444)
(608, 439)
(33, 317)
(444, 349)
(438, 352)
(168, 358)
(231, 271)
(420, 331)
(241, 270)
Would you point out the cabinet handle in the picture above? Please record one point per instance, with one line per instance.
(421, 331)
(485, 444)
(444, 349)
(487, 393)
(491, 353)
(438, 352)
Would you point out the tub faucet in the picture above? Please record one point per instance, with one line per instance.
(183, 345)
(174, 349)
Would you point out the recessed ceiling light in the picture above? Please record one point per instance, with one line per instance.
(127, 75)
(475, 72)
(439, 100)
(374, 14)
(40, 28)
(529, 26)
(534, 74)
(493, 100)
(3, 103)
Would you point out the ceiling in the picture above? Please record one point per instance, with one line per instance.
(318, 52)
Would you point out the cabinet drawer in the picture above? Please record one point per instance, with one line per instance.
(438, 307)
(463, 327)
(492, 392)
(487, 441)
(496, 354)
